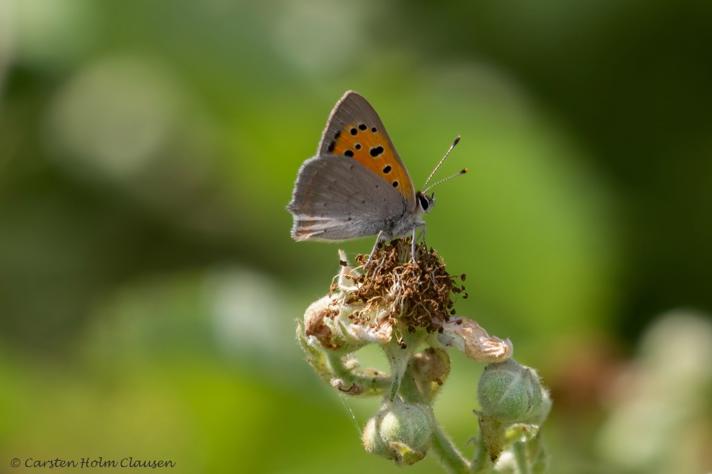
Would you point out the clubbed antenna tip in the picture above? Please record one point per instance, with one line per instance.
(442, 160)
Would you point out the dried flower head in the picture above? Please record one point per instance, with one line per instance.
(419, 295)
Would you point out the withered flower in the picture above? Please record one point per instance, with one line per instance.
(407, 308)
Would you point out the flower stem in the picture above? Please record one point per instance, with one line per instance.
(449, 455)
(398, 358)
(520, 457)
(353, 380)
(399, 363)
(481, 463)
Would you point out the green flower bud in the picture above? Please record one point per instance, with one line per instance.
(510, 392)
(540, 411)
(399, 431)
(372, 441)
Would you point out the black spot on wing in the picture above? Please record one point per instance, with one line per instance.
(376, 151)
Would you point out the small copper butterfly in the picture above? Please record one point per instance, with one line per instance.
(357, 185)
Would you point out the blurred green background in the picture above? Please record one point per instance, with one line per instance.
(149, 287)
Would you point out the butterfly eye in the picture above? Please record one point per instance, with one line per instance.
(423, 201)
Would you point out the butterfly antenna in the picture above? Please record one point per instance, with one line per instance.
(442, 160)
(441, 181)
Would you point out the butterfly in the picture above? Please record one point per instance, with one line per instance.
(357, 185)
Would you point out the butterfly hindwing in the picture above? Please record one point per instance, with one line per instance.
(355, 131)
(338, 199)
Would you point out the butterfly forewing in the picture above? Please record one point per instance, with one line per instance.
(355, 131)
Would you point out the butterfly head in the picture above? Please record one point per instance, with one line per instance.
(425, 202)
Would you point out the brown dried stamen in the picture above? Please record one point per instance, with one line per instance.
(418, 294)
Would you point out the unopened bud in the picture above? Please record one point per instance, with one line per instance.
(510, 392)
(400, 432)
(430, 368)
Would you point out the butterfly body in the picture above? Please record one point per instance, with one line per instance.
(356, 185)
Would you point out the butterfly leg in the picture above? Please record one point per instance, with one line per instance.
(412, 245)
(379, 237)
(423, 231)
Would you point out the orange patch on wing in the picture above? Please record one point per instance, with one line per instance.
(370, 147)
